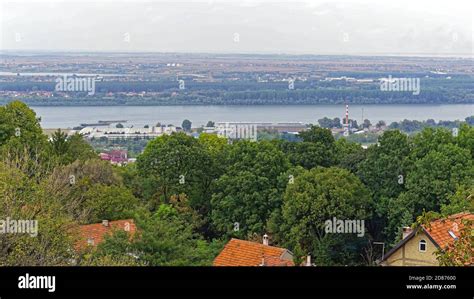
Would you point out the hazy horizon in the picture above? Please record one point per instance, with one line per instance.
(344, 27)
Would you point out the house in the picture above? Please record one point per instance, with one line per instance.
(94, 234)
(418, 246)
(115, 156)
(246, 253)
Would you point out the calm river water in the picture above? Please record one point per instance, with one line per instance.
(68, 117)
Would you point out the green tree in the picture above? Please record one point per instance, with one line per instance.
(433, 180)
(175, 164)
(317, 135)
(68, 184)
(248, 192)
(465, 138)
(316, 149)
(23, 198)
(18, 121)
(349, 154)
(461, 201)
(69, 149)
(109, 202)
(384, 172)
(380, 124)
(166, 240)
(366, 123)
(22, 139)
(59, 143)
(79, 149)
(186, 125)
(318, 195)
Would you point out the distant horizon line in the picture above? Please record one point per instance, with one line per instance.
(364, 54)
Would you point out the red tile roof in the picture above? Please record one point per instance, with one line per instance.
(93, 234)
(439, 229)
(276, 261)
(245, 253)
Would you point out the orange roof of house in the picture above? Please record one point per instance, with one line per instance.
(246, 253)
(276, 261)
(439, 229)
(93, 234)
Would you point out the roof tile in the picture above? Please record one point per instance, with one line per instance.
(245, 253)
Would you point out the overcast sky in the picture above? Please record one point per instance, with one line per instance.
(425, 27)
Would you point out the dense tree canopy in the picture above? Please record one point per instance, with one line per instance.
(246, 194)
(189, 195)
(316, 196)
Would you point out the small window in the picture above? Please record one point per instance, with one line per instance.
(451, 233)
(422, 246)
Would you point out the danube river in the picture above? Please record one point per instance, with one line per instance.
(68, 117)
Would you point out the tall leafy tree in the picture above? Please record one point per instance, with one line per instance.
(318, 195)
(18, 121)
(433, 180)
(246, 195)
(316, 149)
(59, 142)
(48, 242)
(384, 172)
(22, 139)
(71, 148)
(109, 203)
(349, 154)
(175, 164)
(69, 184)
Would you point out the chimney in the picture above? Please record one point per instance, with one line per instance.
(308, 261)
(265, 239)
(406, 231)
(105, 223)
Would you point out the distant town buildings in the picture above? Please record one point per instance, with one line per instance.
(125, 133)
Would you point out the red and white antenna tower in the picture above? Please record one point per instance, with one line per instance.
(347, 115)
(346, 124)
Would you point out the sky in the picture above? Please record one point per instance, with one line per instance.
(353, 27)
